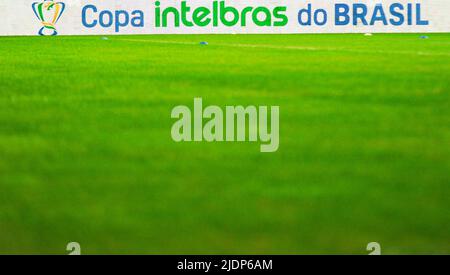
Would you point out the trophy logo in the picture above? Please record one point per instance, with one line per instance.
(48, 12)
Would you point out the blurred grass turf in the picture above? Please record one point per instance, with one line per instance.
(86, 153)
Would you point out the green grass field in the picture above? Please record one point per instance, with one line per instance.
(86, 153)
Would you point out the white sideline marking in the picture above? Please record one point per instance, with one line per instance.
(300, 48)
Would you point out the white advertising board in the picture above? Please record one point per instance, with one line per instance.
(89, 17)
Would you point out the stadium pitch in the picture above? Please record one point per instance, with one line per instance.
(86, 153)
